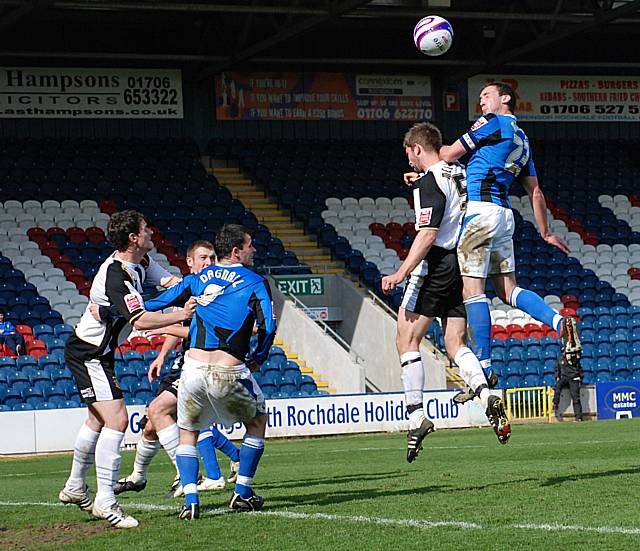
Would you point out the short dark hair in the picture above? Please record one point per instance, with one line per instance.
(3, 312)
(200, 243)
(121, 225)
(425, 134)
(505, 90)
(228, 237)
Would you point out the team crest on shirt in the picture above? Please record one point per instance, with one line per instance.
(424, 216)
(133, 302)
(480, 122)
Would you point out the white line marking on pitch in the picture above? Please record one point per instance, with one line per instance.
(34, 473)
(411, 523)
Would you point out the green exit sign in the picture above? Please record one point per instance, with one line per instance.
(300, 285)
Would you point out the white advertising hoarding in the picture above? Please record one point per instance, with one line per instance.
(55, 430)
(566, 98)
(90, 93)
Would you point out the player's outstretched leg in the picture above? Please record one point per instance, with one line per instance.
(214, 479)
(566, 327)
(497, 416)
(76, 491)
(244, 498)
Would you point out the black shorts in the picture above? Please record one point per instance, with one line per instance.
(438, 294)
(94, 375)
(171, 380)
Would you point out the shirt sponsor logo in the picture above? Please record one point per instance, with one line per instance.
(87, 393)
(424, 216)
(480, 122)
(133, 302)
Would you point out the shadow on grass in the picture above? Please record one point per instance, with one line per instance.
(556, 480)
(347, 478)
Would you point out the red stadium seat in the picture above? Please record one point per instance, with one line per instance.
(393, 226)
(24, 330)
(380, 232)
(499, 332)
(76, 235)
(95, 235)
(396, 234)
(410, 229)
(376, 226)
(55, 231)
(567, 312)
(157, 341)
(35, 232)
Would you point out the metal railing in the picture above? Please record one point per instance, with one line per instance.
(530, 404)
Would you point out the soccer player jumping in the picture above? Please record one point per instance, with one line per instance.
(500, 154)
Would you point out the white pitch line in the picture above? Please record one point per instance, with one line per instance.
(34, 473)
(408, 522)
(572, 527)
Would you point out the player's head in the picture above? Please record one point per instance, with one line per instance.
(1, 315)
(422, 139)
(497, 97)
(233, 244)
(200, 255)
(128, 230)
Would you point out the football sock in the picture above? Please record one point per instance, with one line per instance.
(471, 372)
(412, 380)
(538, 309)
(226, 446)
(145, 451)
(83, 454)
(479, 322)
(170, 438)
(188, 464)
(208, 454)
(250, 453)
(107, 465)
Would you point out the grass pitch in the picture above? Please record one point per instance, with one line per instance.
(561, 486)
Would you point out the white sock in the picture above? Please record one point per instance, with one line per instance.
(413, 382)
(412, 377)
(83, 453)
(107, 465)
(170, 439)
(471, 372)
(145, 451)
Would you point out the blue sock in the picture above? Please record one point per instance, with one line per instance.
(188, 464)
(250, 454)
(208, 454)
(479, 321)
(538, 309)
(226, 446)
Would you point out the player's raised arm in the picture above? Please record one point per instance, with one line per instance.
(484, 131)
(262, 306)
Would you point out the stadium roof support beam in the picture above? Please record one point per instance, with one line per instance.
(334, 9)
(598, 18)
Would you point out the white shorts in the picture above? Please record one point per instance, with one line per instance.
(485, 246)
(216, 394)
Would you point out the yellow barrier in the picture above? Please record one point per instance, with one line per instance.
(529, 404)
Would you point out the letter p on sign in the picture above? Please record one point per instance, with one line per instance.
(451, 101)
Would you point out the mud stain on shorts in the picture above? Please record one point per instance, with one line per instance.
(473, 247)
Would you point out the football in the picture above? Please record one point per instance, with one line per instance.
(433, 35)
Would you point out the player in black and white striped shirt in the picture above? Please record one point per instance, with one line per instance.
(89, 354)
(434, 287)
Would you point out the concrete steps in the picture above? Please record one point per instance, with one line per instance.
(304, 368)
(278, 221)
